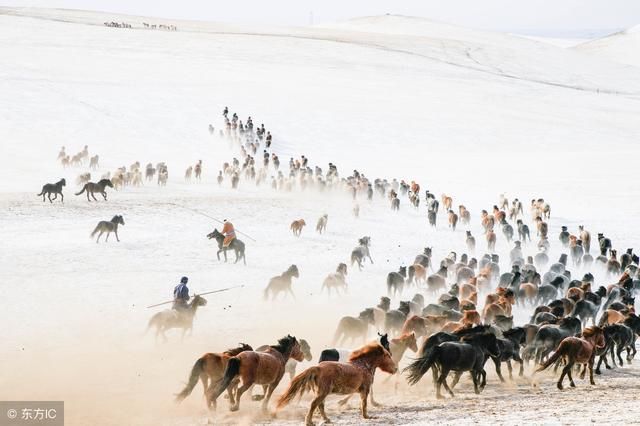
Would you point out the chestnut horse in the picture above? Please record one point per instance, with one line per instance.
(209, 368)
(260, 368)
(296, 227)
(581, 350)
(342, 378)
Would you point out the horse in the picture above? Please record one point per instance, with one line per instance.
(549, 336)
(172, 318)
(336, 280)
(361, 252)
(236, 245)
(395, 281)
(296, 227)
(53, 188)
(321, 226)
(453, 220)
(581, 350)
(290, 366)
(471, 242)
(209, 368)
(353, 328)
(282, 283)
(260, 368)
(91, 188)
(108, 227)
(341, 378)
(467, 355)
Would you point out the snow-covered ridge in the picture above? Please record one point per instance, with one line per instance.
(622, 47)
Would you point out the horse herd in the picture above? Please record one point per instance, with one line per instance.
(571, 322)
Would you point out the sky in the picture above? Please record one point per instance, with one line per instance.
(560, 18)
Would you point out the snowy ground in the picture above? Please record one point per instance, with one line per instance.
(467, 113)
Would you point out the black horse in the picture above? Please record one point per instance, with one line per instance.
(53, 188)
(395, 281)
(236, 245)
(467, 355)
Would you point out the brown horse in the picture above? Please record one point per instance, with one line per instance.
(581, 350)
(259, 368)
(491, 240)
(342, 378)
(296, 227)
(209, 368)
(447, 202)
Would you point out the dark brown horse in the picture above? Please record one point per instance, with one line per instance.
(581, 350)
(259, 368)
(209, 368)
(342, 378)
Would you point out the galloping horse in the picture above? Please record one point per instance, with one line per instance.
(236, 245)
(53, 188)
(577, 350)
(260, 368)
(342, 378)
(209, 368)
(172, 318)
(282, 283)
(91, 188)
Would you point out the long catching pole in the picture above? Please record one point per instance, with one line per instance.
(200, 294)
(210, 217)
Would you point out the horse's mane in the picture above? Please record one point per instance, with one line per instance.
(374, 349)
(235, 351)
(285, 344)
(591, 331)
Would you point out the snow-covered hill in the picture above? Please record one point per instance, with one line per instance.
(622, 47)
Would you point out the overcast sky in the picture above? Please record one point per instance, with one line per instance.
(548, 17)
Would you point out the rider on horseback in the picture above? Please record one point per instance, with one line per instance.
(181, 295)
(229, 233)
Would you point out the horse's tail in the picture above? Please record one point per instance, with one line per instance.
(232, 370)
(420, 366)
(95, 231)
(553, 358)
(84, 188)
(302, 383)
(196, 371)
(41, 192)
(154, 319)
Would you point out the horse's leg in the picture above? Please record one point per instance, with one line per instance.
(497, 362)
(363, 404)
(619, 352)
(483, 373)
(242, 389)
(94, 196)
(116, 232)
(322, 413)
(510, 368)
(218, 254)
(456, 379)
(344, 400)
(565, 371)
(373, 401)
(99, 235)
(569, 369)
(591, 371)
(474, 377)
(319, 399)
(104, 195)
(268, 391)
(224, 251)
(290, 291)
(107, 239)
(48, 196)
(61, 197)
(443, 381)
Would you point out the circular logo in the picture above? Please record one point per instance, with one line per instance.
(12, 414)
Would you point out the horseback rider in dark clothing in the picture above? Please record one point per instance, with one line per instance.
(181, 295)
